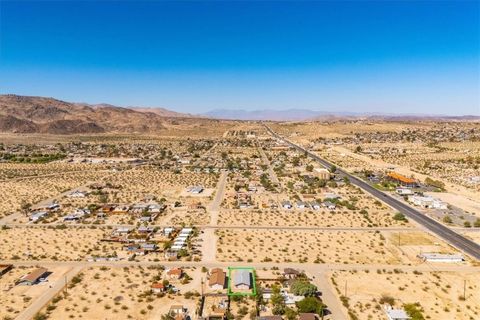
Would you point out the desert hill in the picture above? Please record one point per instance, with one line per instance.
(25, 114)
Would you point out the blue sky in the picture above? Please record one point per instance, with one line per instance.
(384, 56)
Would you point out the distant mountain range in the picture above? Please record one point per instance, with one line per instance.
(280, 115)
(311, 115)
(24, 114)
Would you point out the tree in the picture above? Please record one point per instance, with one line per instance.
(311, 305)
(435, 183)
(414, 311)
(399, 217)
(476, 224)
(447, 219)
(25, 206)
(333, 168)
(303, 288)
(278, 301)
(290, 313)
(167, 316)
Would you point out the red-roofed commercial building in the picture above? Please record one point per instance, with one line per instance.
(404, 181)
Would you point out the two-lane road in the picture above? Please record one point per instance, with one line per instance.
(450, 236)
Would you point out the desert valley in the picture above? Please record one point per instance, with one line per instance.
(160, 215)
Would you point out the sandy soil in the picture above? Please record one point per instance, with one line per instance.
(313, 218)
(52, 244)
(125, 293)
(440, 294)
(307, 246)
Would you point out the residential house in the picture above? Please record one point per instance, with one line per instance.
(120, 209)
(404, 191)
(322, 173)
(155, 208)
(290, 298)
(290, 273)
(77, 194)
(167, 231)
(427, 202)
(286, 205)
(123, 230)
(177, 309)
(396, 314)
(307, 316)
(330, 195)
(301, 205)
(175, 273)
(139, 208)
(242, 279)
(157, 287)
(270, 318)
(329, 205)
(196, 189)
(217, 279)
(144, 229)
(149, 247)
(36, 216)
(315, 205)
(4, 268)
(76, 215)
(33, 277)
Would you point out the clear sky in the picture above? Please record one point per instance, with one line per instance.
(384, 56)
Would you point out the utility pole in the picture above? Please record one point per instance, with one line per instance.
(399, 238)
(464, 289)
(345, 289)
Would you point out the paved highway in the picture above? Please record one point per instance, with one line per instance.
(455, 239)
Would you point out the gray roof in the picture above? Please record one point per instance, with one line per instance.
(242, 277)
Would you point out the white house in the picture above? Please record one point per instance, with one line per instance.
(396, 314)
(427, 202)
(77, 194)
(329, 205)
(38, 215)
(315, 205)
(167, 231)
(286, 205)
(404, 191)
(301, 205)
(196, 189)
(186, 231)
(331, 195)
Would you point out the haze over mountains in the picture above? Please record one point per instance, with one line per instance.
(25, 114)
(309, 115)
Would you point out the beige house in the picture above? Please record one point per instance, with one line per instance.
(322, 173)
